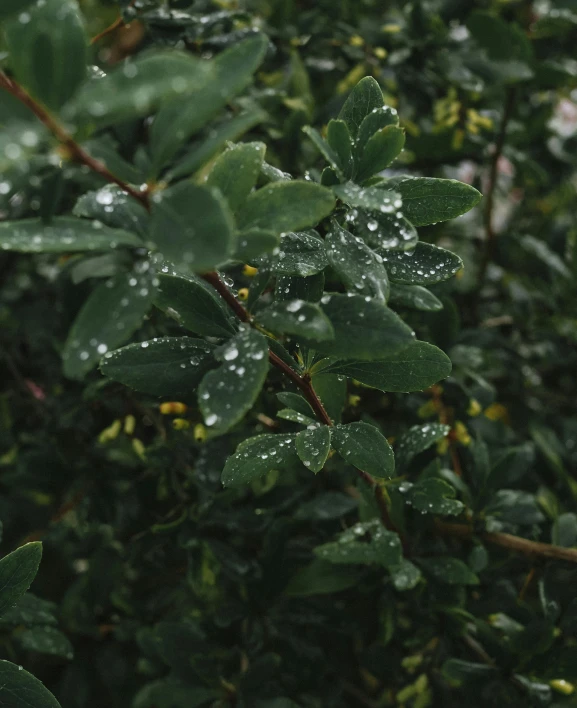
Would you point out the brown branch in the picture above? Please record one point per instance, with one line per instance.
(304, 384)
(118, 22)
(490, 233)
(75, 151)
(508, 541)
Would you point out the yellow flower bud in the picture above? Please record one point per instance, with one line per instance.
(110, 433)
(496, 411)
(391, 28)
(129, 424)
(356, 40)
(199, 432)
(354, 400)
(380, 52)
(180, 424)
(474, 407)
(243, 294)
(249, 271)
(461, 433)
(138, 447)
(562, 686)
(173, 408)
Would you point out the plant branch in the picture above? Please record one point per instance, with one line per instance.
(75, 151)
(303, 383)
(490, 233)
(118, 22)
(508, 541)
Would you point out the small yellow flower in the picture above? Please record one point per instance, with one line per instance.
(199, 432)
(356, 40)
(380, 52)
(474, 408)
(243, 294)
(129, 424)
(180, 424)
(249, 271)
(496, 411)
(461, 433)
(110, 433)
(173, 408)
(562, 686)
(138, 447)
(391, 28)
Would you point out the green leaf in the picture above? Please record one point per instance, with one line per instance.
(17, 571)
(327, 506)
(313, 447)
(363, 100)
(501, 40)
(366, 448)
(386, 231)
(295, 417)
(363, 330)
(19, 689)
(138, 87)
(360, 269)
(64, 234)
(324, 148)
(286, 206)
(11, 7)
(405, 576)
(418, 439)
(290, 287)
(46, 640)
(194, 304)
(226, 394)
(298, 403)
(301, 254)
(434, 496)
(113, 207)
(372, 198)
(427, 200)
(110, 315)
(235, 172)
(332, 391)
(29, 611)
(514, 506)
(339, 139)
(380, 150)
(179, 119)
(366, 543)
(414, 297)
(207, 146)
(459, 671)
(297, 317)
(321, 578)
(192, 227)
(448, 570)
(252, 243)
(376, 120)
(167, 366)
(257, 456)
(426, 265)
(415, 368)
(48, 50)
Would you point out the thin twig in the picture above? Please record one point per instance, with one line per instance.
(75, 150)
(490, 233)
(508, 541)
(118, 22)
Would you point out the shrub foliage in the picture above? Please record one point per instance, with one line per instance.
(289, 407)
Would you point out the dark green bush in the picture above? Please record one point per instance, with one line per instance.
(288, 404)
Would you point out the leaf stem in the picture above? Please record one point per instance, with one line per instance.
(304, 384)
(76, 152)
(507, 540)
(490, 233)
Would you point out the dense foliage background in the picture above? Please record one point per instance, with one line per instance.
(449, 581)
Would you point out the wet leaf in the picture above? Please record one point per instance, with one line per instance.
(313, 447)
(226, 394)
(366, 543)
(167, 366)
(425, 265)
(17, 571)
(257, 456)
(297, 317)
(364, 447)
(19, 689)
